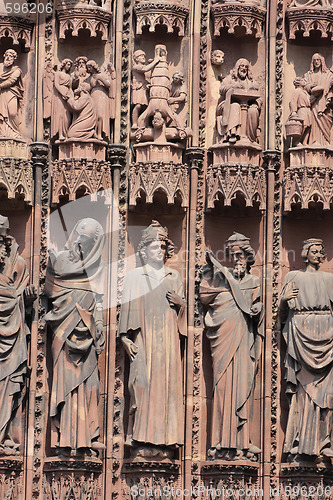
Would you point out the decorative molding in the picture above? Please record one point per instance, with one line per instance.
(235, 14)
(83, 486)
(17, 28)
(228, 181)
(73, 464)
(172, 15)
(307, 184)
(72, 175)
(16, 176)
(304, 20)
(93, 19)
(149, 178)
(141, 466)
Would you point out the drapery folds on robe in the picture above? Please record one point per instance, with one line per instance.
(13, 330)
(234, 329)
(308, 332)
(155, 381)
(11, 98)
(74, 288)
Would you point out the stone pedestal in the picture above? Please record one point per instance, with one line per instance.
(166, 152)
(243, 153)
(82, 149)
(311, 156)
(13, 148)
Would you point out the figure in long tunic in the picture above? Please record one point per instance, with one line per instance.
(74, 285)
(233, 321)
(84, 117)
(11, 96)
(319, 85)
(306, 311)
(60, 112)
(15, 295)
(151, 322)
(100, 84)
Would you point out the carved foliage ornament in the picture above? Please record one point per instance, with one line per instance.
(232, 15)
(94, 20)
(151, 14)
(153, 177)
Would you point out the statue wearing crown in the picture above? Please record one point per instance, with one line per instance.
(16, 295)
(233, 320)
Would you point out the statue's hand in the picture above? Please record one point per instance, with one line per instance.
(174, 298)
(30, 294)
(291, 292)
(256, 308)
(129, 347)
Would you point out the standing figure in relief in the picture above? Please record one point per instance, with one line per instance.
(306, 311)
(140, 84)
(300, 109)
(178, 98)
(15, 296)
(100, 83)
(151, 322)
(234, 328)
(84, 118)
(74, 285)
(80, 71)
(60, 112)
(228, 111)
(11, 96)
(319, 83)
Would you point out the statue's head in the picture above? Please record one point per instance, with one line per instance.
(139, 56)
(4, 226)
(158, 120)
(92, 67)
(86, 234)
(299, 82)
(9, 57)
(178, 78)
(318, 63)
(241, 253)
(217, 57)
(155, 243)
(242, 67)
(66, 64)
(5, 239)
(313, 251)
(81, 62)
(161, 52)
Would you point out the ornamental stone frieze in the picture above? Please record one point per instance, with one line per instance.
(19, 29)
(305, 185)
(171, 14)
(304, 20)
(88, 17)
(16, 178)
(11, 477)
(250, 15)
(147, 178)
(228, 181)
(74, 178)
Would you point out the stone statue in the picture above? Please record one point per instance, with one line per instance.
(300, 112)
(319, 84)
(11, 96)
(84, 117)
(217, 57)
(151, 321)
(15, 296)
(112, 89)
(159, 94)
(306, 312)
(234, 328)
(80, 71)
(60, 111)
(238, 108)
(100, 84)
(48, 89)
(140, 84)
(74, 284)
(178, 98)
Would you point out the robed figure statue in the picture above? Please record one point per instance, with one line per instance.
(74, 285)
(152, 320)
(306, 312)
(234, 327)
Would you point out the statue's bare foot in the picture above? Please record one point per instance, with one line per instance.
(327, 452)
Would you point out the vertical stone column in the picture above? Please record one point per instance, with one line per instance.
(38, 393)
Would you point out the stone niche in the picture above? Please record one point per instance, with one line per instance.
(232, 15)
(304, 20)
(19, 29)
(152, 13)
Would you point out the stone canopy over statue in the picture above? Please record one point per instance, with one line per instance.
(74, 285)
(152, 322)
(311, 106)
(306, 314)
(15, 296)
(234, 314)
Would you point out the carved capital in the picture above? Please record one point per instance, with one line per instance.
(171, 14)
(116, 155)
(73, 178)
(229, 181)
(39, 153)
(16, 177)
(195, 157)
(148, 178)
(93, 19)
(272, 159)
(305, 20)
(235, 14)
(306, 185)
(17, 28)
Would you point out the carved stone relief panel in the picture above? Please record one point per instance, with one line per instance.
(152, 13)
(232, 15)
